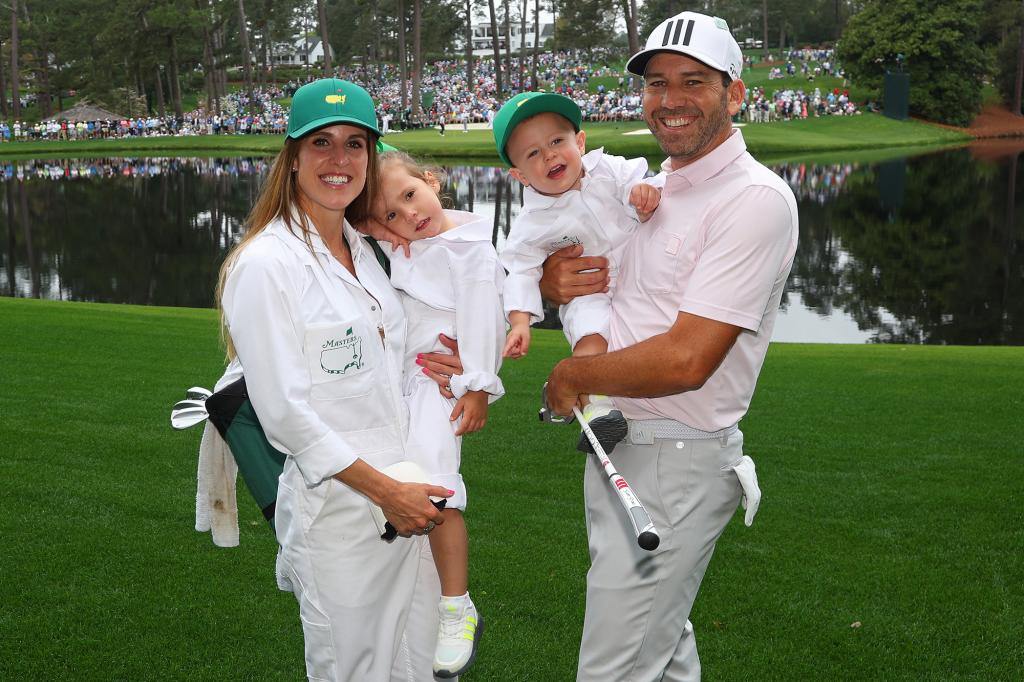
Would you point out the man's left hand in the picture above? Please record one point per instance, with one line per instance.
(562, 397)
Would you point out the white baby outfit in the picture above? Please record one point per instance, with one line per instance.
(453, 286)
(598, 216)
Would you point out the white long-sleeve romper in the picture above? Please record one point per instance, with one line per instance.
(453, 286)
(598, 216)
(322, 353)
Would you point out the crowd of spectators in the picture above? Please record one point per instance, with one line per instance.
(789, 104)
(453, 101)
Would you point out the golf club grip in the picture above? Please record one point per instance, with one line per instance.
(638, 515)
(646, 534)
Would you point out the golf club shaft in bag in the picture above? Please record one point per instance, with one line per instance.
(646, 534)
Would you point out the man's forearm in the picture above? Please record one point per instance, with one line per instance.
(649, 369)
(675, 361)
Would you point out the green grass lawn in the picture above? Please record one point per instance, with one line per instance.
(813, 135)
(892, 499)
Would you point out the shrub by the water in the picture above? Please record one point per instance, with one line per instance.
(939, 41)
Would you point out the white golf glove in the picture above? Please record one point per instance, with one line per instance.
(747, 474)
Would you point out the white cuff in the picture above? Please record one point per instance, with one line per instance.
(323, 459)
(477, 381)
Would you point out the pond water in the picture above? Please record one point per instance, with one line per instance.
(926, 249)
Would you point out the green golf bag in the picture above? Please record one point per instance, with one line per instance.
(259, 462)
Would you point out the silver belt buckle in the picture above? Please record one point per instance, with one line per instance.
(639, 435)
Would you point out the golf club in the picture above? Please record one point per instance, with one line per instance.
(646, 534)
(188, 413)
(197, 393)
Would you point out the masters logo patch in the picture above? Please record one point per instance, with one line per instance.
(564, 241)
(339, 356)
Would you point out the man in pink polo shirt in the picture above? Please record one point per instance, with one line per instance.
(693, 311)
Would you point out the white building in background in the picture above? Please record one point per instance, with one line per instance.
(484, 46)
(294, 53)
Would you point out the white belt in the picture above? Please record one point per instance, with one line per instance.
(645, 431)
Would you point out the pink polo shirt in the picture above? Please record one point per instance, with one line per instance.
(720, 246)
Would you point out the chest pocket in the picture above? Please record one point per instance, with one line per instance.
(341, 358)
(659, 260)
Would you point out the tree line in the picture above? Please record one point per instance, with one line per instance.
(142, 56)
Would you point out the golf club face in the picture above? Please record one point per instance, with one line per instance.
(187, 418)
(197, 393)
(187, 413)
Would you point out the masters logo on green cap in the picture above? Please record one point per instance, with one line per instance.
(329, 101)
(527, 104)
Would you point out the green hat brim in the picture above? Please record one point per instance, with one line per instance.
(540, 103)
(331, 120)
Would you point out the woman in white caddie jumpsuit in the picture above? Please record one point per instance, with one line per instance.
(318, 332)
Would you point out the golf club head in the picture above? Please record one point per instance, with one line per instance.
(188, 413)
(546, 415)
(189, 404)
(197, 393)
(184, 419)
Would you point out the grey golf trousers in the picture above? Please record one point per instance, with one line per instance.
(637, 627)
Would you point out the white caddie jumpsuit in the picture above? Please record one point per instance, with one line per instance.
(321, 352)
(452, 284)
(598, 216)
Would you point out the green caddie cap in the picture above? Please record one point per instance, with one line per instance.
(328, 101)
(527, 104)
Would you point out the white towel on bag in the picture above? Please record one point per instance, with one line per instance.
(216, 500)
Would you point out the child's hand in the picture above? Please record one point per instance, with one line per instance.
(381, 233)
(645, 199)
(517, 342)
(472, 407)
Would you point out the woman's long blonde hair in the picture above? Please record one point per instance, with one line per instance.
(279, 198)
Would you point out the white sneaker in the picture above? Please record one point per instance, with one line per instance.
(605, 421)
(458, 634)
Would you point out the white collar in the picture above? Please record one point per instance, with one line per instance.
(295, 240)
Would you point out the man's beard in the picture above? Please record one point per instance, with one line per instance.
(689, 146)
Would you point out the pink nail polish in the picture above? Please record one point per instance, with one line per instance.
(419, 361)
(451, 492)
(425, 370)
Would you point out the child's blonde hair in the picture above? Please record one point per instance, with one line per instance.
(411, 166)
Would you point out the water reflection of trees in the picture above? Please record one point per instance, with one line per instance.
(920, 250)
(148, 231)
(941, 252)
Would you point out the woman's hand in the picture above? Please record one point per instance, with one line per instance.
(381, 233)
(406, 505)
(568, 275)
(472, 407)
(440, 367)
(409, 509)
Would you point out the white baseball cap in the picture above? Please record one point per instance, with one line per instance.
(706, 39)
